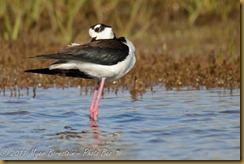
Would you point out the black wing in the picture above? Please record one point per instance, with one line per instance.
(104, 52)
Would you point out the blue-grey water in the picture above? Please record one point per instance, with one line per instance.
(162, 125)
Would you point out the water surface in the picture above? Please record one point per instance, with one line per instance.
(163, 125)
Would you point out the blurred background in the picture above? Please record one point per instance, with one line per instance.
(174, 28)
(70, 19)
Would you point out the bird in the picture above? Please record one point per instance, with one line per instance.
(105, 58)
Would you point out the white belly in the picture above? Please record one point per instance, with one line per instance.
(98, 71)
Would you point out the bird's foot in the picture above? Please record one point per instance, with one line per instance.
(93, 121)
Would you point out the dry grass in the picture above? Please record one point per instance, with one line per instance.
(130, 17)
(177, 43)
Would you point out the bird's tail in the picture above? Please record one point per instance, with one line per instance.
(60, 72)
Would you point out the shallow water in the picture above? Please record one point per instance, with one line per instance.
(186, 124)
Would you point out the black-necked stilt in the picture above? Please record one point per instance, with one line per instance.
(105, 58)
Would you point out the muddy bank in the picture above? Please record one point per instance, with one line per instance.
(198, 57)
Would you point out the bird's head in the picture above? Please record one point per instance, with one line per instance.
(101, 31)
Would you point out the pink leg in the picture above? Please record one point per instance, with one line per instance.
(93, 102)
(98, 99)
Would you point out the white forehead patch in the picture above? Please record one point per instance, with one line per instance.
(98, 25)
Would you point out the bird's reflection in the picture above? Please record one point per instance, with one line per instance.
(92, 137)
(93, 142)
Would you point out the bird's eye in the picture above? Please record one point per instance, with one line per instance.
(97, 29)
